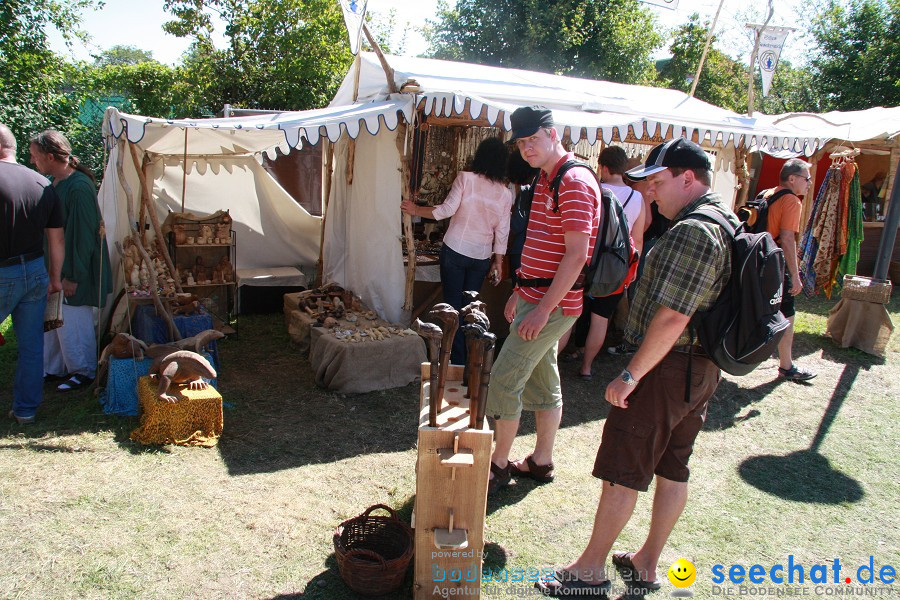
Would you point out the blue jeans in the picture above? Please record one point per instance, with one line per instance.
(23, 294)
(459, 274)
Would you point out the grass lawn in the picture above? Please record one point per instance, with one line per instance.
(780, 469)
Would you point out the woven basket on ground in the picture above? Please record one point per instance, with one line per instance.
(373, 551)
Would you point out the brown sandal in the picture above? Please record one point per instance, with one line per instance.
(501, 478)
(540, 473)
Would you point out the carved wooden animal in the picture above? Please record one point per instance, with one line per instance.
(181, 367)
(121, 346)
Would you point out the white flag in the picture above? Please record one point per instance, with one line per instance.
(354, 16)
(670, 4)
(771, 40)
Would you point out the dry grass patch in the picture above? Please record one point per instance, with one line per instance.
(85, 513)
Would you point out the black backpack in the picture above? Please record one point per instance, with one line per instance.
(744, 326)
(614, 259)
(755, 213)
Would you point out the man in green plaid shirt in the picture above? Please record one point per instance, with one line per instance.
(654, 420)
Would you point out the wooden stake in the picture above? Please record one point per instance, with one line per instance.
(329, 168)
(161, 309)
(404, 148)
(151, 212)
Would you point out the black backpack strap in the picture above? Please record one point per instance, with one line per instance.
(557, 181)
(628, 199)
(714, 216)
(780, 194)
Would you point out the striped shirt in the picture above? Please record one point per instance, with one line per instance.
(685, 271)
(545, 242)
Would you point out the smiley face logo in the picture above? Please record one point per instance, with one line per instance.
(682, 573)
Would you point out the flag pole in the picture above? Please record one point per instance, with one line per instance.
(705, 50)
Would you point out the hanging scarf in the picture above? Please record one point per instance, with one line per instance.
(809, 246)
(855, 233)
(825, 230)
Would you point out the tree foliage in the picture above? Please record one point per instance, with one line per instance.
(281, 54)
(856, 64)
(723, 81)
(603, 39)
(122, 56)
(32, 88)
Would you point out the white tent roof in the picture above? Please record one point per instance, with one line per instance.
(853, 126)
(259, 133)
(597, 107)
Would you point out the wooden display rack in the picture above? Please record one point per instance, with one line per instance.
(451, 494)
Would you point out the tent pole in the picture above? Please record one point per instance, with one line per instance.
(161, 309)
(184, 169)
(329, 167)
(151, 212)
(404, 148)
(388, 71)
(889, 233)
(705, 50)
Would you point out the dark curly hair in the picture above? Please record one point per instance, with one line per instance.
(490, 159)
(518, 170)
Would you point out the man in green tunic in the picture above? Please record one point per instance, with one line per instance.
(71, 350)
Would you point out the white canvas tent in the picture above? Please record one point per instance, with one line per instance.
(362, 227)
(223, 171)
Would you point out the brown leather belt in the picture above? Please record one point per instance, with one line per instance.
(20, 259)
(687, 348)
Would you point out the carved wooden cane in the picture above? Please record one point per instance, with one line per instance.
(475, 334)
(490, 340)
(448, 318)
(433, 336)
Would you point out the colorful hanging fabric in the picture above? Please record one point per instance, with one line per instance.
(855, 233)
(825, 230)
(809, 246)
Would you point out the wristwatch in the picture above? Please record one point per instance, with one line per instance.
(628, 379)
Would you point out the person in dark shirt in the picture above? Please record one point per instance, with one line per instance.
(29, 209)
(522, 175)
(71, 350)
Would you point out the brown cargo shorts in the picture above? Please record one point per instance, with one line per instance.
(656, 433)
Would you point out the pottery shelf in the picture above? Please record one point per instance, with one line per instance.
(219, 297)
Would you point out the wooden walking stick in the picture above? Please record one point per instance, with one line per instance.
(433, 337)
(490, 340)
(448, 318)
(475, 336)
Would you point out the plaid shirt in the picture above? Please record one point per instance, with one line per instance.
(686, 270)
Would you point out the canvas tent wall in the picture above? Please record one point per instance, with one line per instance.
(449, 93)
(223, 171)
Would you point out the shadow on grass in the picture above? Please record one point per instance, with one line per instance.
(806, 475)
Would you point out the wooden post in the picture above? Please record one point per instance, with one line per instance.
(329, 168)
(161, 308)
(405, 159)
(151, 212)
(388, 71)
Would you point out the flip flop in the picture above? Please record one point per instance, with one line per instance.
(540, 473)
(75, 382)
(623, 562)
(566, 585)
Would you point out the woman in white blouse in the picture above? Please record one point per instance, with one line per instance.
(478, 206)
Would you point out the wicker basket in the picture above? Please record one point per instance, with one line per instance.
(865, 288)
(373, 552)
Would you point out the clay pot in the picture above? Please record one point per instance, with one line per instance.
(180, 234)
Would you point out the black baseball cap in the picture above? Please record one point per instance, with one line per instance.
(677, 152)
(526, 120)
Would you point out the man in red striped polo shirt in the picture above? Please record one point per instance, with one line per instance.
(557, 247)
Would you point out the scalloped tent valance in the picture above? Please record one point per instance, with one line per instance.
(594, 109)
(253, 134)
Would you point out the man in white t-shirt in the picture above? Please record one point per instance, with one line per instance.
(598, 311)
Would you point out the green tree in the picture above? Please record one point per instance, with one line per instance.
(123, 55)
(723, 81)
(602, 39)
(281, 54)
(856, 64)
(33, 86)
